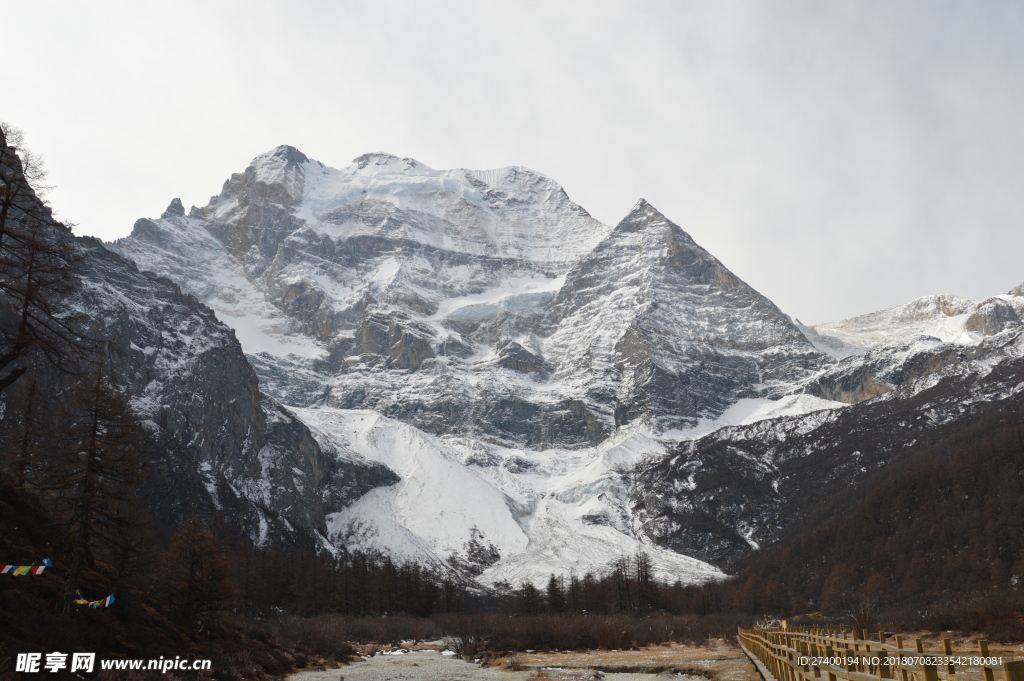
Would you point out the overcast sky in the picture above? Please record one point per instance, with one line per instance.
(838, 156)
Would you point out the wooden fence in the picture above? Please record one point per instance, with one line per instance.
(815, 654)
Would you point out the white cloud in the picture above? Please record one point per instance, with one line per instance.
(838, 156)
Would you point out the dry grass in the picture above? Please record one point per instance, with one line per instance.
(495, 635)
(718, 660)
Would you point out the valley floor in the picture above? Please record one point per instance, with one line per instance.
(718, 662)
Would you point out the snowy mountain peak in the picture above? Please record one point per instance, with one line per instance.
(392, 163)
(652, 321)
(642, 216)
(283, 152)
(643, 209)
(1017, 291)
(174, 208)
(667, 243)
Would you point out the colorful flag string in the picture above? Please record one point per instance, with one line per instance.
(21, 570)
(102, 603)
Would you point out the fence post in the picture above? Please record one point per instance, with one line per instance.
(1013, 671)
(830, 653)
(983, 647)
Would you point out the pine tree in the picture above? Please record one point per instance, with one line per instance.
(555, 595)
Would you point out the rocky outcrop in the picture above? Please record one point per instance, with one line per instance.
(514, 356)
(852, 386)
(395, 338)
(991, 317)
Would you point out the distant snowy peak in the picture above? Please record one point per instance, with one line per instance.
(949, 318)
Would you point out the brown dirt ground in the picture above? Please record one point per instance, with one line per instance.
(718, 661)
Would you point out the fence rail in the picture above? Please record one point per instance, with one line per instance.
(816, 654)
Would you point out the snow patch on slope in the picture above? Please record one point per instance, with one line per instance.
(436, 506)
(182, 250)
(752, 410)
(512, 293)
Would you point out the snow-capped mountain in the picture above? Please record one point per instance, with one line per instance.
(523, 370)
(481, 303)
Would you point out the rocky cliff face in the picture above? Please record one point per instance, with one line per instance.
(224, 444)
(217, 443)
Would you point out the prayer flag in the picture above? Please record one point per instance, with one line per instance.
(19, 570)
(102, 603)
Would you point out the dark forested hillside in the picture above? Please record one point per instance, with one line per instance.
(781, 478)
(936, 538)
